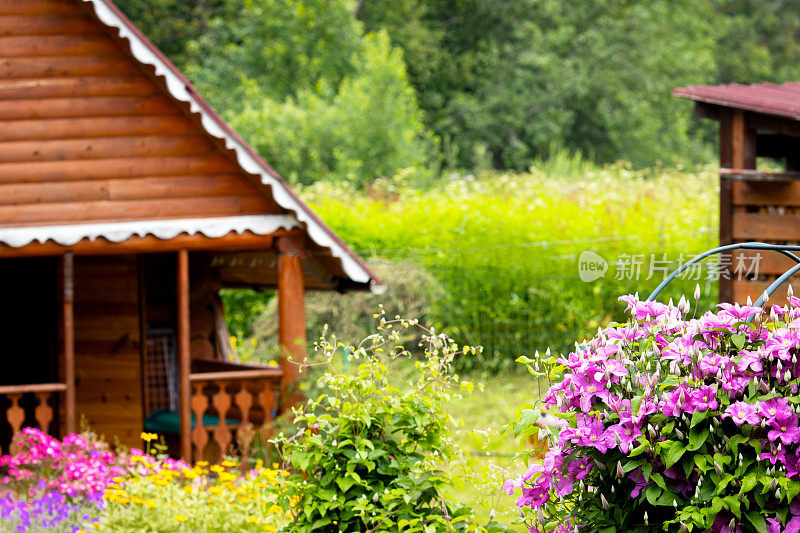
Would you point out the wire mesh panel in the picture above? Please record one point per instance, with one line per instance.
(162, 370)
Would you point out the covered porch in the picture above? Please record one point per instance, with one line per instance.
(130, 337)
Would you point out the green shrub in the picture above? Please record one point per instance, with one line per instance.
(370, 456)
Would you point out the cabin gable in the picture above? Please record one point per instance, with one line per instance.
(91, 135)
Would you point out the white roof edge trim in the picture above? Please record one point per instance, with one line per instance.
(67, 235)
(178, 90)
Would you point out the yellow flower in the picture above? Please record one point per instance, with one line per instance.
(268, 527)
(180, 518)
(252, 519)
(228, 463)
(148, 436)
(216, 491)
(202, 463)
(275, 509)
(227, 476)
(216, 468)
(187, 488)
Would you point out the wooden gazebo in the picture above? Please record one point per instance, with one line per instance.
(126, 204)
(754, 121)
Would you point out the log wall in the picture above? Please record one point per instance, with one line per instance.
(89, 135)
(108, 347)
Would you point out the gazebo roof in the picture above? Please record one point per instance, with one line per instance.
(768, 98)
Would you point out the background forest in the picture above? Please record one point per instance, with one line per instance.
(356, 90)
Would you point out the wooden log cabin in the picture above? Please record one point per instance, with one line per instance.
(126, 204)
(755, 205)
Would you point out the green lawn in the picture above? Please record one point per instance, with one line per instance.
(483, 415)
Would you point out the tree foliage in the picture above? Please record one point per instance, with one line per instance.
(315, 95)
(322, 94)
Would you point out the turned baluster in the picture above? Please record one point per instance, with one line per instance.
(16, 416)
(199, 433)
(266, 399)
(244, 400)
(222, 402)
(43, 412)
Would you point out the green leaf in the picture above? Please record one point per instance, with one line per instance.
(749, 482)
(738, 341)
(701, 462)
(345, 483)
(653, 493)
(658, 479)
(529, 417)
(697, 438)
(698, 417)
(674, 454)
(758, 521)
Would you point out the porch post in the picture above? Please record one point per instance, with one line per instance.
(184, 388)
(68, 321)
(291, 318)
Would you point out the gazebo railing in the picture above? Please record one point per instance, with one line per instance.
(785, 249)
(228, 398)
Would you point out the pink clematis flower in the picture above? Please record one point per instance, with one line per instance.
(785, 428)
(743, 413)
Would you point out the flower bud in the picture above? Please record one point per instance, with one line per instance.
(604, 502)
(697, 292)
(620, 470)
(718, 468)
(790, 291)
(646, 519)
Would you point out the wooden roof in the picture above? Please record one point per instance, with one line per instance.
(768, 98)
(101, 132)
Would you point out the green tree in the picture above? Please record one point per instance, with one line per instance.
(317, 97)
(173, 24)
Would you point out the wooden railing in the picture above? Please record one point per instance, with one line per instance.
(43, 412)
(240, 396)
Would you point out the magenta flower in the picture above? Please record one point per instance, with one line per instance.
(770, 409)
(625, 434)
(743, 413)
(677, 402)
(739, 312)
(705, 398)
(750, 361)
(785, 428)
(772, 454)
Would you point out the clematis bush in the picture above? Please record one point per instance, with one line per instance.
(674, 421)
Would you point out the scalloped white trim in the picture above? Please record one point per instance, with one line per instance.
(161, 229)
(280, 193)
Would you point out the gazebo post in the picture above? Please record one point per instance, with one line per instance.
(737, 151)
(68, 324)
(184, 355)
(291, 317)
